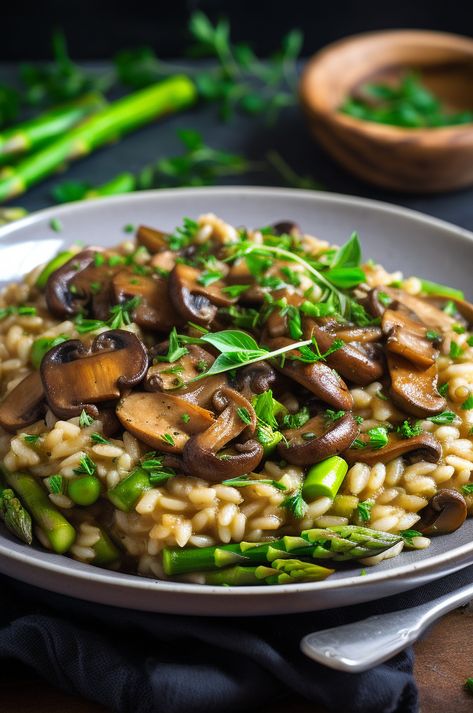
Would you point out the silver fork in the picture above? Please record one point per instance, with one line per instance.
(364, 644)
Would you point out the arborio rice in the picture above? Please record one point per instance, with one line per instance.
(274, 284)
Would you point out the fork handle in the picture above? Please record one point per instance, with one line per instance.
(364, 644)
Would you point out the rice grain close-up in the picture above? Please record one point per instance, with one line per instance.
(233, 406)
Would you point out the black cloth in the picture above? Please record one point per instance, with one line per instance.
(137, 662)
(146, 663)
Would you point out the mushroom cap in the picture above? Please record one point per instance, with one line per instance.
(166, 376)
(192, 300)
(75, 378)
(422, 447)
(319, 378)
(445, 512)
(201, 455)
(153, 240)
(413, 389)
(329, 440)
(155, 310)
(153, 415)
(24, 404)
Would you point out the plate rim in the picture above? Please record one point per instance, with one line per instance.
(460, 556)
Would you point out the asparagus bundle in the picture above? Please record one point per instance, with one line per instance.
(26, 137)
(281, 571)
(59, 531)
(338, 543)
(110, 123)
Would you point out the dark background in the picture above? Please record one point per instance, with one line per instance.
(96, 29)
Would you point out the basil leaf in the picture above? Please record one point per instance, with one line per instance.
(231, 340)
(349, 255)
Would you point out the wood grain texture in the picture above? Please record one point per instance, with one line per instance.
(444, 659)
(409, 160)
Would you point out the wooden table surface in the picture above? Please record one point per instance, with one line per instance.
(444, 659)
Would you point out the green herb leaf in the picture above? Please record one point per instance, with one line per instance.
(98, 438)
(245, 480)
(467, 405)
(364, 510)
(295, 504)
(432, 335)
(86, 466)
(349, 255)
(167, 438)
(409, 430)
(331, 416)
(56, 484)
(85, 420)
(378, 437)
(443, 418)
(467, 489)
(175, 351)
(455, 350)
(296, 420)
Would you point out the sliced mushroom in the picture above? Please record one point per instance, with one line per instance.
(192, 300)
(202, 392)
(316, 440)
(351, 362)
(24, 404)
(286, 227)
(413, 389)
(155, 310)
(80, 285)
(362, 335)
(255, 379)
(163, 421)
(204, 455)
(407, 338)
(422, 447)
(76, 379)
(153, 240)
(317, 377)
(163, 376)
(427, 313)
(445, 512)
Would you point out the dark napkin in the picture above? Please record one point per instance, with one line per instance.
(136, 662)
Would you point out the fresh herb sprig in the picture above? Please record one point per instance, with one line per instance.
(120, 315)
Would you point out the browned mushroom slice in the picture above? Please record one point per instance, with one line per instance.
(445, 512)
(153, 240)
(362, 335)
(351, 362)
(165, 376)
(75, 378)
(286, 227)
(423, 447)
(414, 390)
(164, 261)
(408, 338)
(317, 440)
(202, 392)
(78, 284)
(207, 455)
(255, 379)
(155, 310)
(427, 313)
(194, 301)
(318, 377)
(24, 404)
(371, 301)
(163, 421)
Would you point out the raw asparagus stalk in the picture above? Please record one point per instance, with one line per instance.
(339, 543)
(113, 122)
(29, 135)
(14, 515)
(58, 530)
(281, 571)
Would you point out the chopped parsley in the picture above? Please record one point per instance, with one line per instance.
(85, 420)
(432, 335)
(450, 309)
(409, 430)
(244, 415)
(443, 389)
(296, 420)
(183, 235)
(364, 510)
(244, 480)
(469, 341)
(455, 350)
(56, 225)
(30, 438)
(330, 416)
(378, 437)
(185, 418)
(384, 299)
(410, 534)
(443, 418)
(458, 328)
(295, 505)
(467, 489)
(86, 466)
(234, 291)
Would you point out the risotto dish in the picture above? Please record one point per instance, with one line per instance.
(233, 406)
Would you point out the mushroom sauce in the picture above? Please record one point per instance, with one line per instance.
(233, 406)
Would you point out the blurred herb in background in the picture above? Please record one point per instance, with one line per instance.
(408, 104)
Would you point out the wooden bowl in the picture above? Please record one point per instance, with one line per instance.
(412, 160)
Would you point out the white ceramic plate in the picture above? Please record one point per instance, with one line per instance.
(398, 238)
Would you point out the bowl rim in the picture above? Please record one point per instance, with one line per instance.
(315, 107)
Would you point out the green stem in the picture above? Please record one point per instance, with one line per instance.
(127, 492)
(111, 123)
(281, 571)
(29, 135)
(340, 543)
(58, 530)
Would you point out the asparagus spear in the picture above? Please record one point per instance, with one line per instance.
(14, 515)
(105, 550)
(281, 571)
(57, 529)
(110, 123)
(339, 543)
(29, 135)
